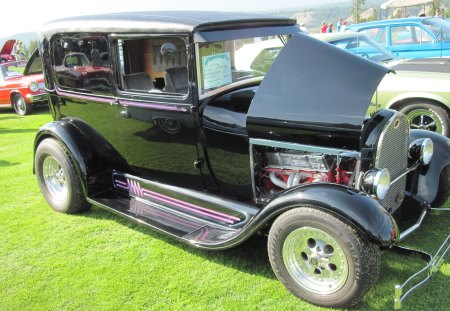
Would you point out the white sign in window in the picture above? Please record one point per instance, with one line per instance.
(216, 70)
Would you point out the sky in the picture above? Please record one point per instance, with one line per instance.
(36, 13)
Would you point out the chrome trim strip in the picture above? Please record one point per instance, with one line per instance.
(169, 107)
(112, 100)
(307, 148)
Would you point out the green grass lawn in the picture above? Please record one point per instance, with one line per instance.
(96, 260)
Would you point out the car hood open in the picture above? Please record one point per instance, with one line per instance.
(315, 86)
(8, 47)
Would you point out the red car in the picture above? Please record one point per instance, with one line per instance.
(5, 53)
(22, 85)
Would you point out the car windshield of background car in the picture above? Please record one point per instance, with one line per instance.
(11, 70)
(364, 47)
(225, 63)
(439, 27)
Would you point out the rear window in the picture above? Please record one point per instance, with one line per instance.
(82, 62)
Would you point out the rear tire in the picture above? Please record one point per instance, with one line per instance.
(20, 105)
(427, 116)
(443, 189)
(321, 259)
(58, 179)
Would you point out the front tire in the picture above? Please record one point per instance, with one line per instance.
(427, 116)
(57, 178)
(20, 105)
(321, 259)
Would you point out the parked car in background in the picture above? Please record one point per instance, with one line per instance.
(22, 85)
(420, 88)
(275, 141)
(419, 37)
(6, 52)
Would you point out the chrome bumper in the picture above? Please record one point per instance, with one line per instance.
(36, 98)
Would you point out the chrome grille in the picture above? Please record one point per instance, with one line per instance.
(392, 153)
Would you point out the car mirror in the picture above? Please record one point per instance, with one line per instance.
(168, 48)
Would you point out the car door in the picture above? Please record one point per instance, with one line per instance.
(87, 96)
(413, 41)
(156, 121)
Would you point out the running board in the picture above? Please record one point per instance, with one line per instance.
(184, 227)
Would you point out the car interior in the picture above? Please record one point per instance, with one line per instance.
(144, 68)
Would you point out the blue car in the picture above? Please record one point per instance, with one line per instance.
(419, 37)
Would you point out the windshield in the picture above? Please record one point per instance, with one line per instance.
(12, 69)
(225, 63)
(439, 27)
(364, 47)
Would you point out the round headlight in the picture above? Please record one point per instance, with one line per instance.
(34, 87)
(377, 182)
(426, 151)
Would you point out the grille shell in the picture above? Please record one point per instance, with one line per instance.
(392, 153)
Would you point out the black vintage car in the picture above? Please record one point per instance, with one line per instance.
(211, 127)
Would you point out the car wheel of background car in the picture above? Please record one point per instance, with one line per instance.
(321, 259)
(57, 178)
(2, 60)
(427, 117)
(443, 189)
(20, 106)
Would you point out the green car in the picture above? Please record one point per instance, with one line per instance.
(420, 88)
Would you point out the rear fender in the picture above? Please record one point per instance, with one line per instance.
(88, 150)
(355, 208)
(428, 182)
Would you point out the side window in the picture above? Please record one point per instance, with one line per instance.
(82, 62)
(144, 69)
(406, 35)
(377, 34)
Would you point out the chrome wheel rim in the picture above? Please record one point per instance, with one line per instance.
(425, 119)
(54, 178)
(21, 105)
(315, 260)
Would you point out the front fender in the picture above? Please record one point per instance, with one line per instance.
(353, 207)
(428, 183)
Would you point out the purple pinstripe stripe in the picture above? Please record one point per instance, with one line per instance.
(155, 106)
(185, 207)
(193, 206)
(123, 102)
(122, 186)
(94, 98)
(135, 187)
